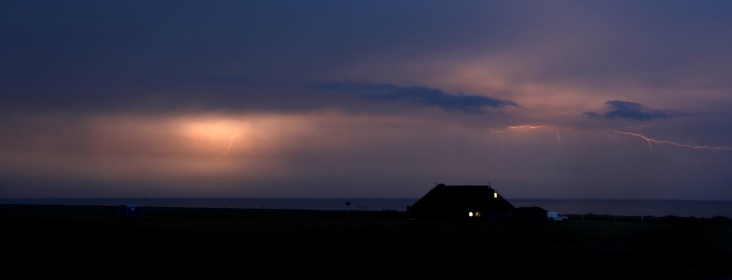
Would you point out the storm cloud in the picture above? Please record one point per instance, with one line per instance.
(475, 104)
(629, 110)
(571, 99)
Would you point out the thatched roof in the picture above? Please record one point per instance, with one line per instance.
(458, 202)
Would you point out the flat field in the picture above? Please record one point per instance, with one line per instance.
(44, 240)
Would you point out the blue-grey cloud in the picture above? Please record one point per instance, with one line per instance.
(629, 110)
(425, 96)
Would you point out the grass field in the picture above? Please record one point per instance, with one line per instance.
(77, 239)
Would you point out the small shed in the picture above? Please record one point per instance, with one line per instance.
(130, 211)
(461, 202)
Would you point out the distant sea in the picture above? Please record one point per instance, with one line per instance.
(659, 208)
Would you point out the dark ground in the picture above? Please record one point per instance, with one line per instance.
(81, 241)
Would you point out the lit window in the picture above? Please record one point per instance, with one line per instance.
(470, 214)
(495, 195)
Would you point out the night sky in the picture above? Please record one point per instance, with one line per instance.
(366, 99)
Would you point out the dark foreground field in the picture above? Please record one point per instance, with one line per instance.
(95, 240)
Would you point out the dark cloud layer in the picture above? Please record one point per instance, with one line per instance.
(629, 110)
(474, 104)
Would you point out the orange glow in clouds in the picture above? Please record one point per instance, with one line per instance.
(217, 137)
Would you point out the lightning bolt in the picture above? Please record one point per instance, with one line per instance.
(559, 139)
(652, 141)
(231, 142)
(526, 126)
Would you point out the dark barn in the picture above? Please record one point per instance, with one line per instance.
(461, 202)
(534, 213)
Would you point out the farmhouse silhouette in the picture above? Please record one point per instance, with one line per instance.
(470, 202)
